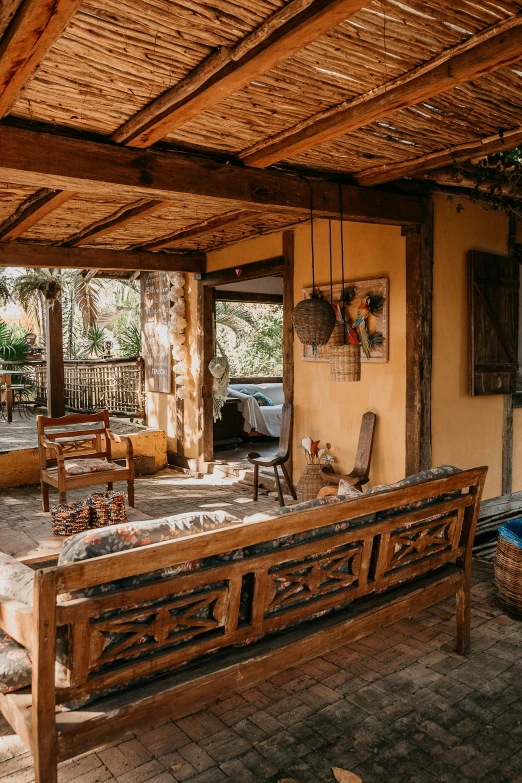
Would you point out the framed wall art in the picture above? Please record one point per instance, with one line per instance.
(365, 301)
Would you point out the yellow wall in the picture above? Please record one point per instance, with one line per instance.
(467, 431)
(332, 411)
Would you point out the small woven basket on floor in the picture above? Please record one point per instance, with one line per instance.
(107, 508)
(70, 518)
(310, 483)
(345, 363)
(313, 320)
(508, 567)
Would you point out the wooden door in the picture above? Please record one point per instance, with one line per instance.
(494, 293)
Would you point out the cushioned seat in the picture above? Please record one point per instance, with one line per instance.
(15, 665)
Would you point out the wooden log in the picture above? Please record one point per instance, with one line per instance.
(54, 366)
(265, 268)
(33, 30)
(29, 254)
(248, 296)
(47, 160)
(419, 293)
(118, 219)
(31, 211)
(290, 29)
(476, 149)
(494, 48)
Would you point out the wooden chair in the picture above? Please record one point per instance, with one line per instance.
(361, 473)
(86, 443)
(281, 457)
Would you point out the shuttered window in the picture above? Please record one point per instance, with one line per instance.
(494, 292)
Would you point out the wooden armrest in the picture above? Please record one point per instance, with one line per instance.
(121, 439)
(50, 444)
(16, 619)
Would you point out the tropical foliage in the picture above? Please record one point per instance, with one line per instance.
(497, 181)
(251, 336)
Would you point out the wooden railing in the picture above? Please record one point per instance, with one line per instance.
(97, 384)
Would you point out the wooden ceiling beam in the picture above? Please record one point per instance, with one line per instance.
(200, 229)
(32, 31)
(228, 70)
(32, 255)
(115, 221)
(31, 211)
(494, 48)
(460, 153)
(30, 157)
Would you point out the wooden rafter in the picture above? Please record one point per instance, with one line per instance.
(200, 229)
(228, 70)
(32, 31)
(494, 48)
(476, 149)
(115, 221)
(29, 254)
(44, 160)
(31, 211)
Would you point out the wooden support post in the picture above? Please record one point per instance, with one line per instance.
(507, 430)
(288, 329)
(55, 367)
(419, 294)
(204, 380)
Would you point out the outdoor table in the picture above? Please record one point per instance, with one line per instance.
(5, 377)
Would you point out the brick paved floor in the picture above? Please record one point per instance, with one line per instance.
(397, 707)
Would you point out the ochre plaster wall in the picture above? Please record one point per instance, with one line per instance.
(332, 411)
(466, 431)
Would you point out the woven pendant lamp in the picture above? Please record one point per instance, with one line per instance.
(314, 318)
(345, 359)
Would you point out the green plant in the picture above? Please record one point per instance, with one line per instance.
(497, 181)
(251, 336)
(94, 340)
(129, 340)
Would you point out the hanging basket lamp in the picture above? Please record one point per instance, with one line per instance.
(345, 359)
(314, 318)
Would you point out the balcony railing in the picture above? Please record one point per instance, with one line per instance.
(97, 384)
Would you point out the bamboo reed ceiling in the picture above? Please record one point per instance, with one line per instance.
(116, 57)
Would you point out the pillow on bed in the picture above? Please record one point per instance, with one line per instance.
(262, 399)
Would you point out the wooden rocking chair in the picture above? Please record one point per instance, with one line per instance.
(281, 458)
(360, 475)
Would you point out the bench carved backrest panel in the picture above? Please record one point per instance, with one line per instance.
(122, 635)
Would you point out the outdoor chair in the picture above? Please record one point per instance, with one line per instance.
(280, 458)
(360, 474)
(81, 456)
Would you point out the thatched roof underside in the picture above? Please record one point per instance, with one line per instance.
(116, 57)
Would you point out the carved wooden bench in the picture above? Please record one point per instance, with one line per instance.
(245, 600)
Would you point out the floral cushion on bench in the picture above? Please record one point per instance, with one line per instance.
(15, 665)
(117, 538)
(16, 580)
(81, 466)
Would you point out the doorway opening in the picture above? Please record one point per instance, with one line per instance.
(245, 316)
(249, 332)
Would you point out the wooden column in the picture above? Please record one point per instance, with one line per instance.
(288, 329)
(419, 295)
(204, 380)
(507, 431)
(55, 367)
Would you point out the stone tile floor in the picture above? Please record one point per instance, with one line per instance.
(399, 706)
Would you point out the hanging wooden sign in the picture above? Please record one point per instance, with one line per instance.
(155, 303)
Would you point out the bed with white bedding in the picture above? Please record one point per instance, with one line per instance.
(265, 419)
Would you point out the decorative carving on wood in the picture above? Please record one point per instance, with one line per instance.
(306, 580)
(155, 304)
(132, 633)
(408, 546)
